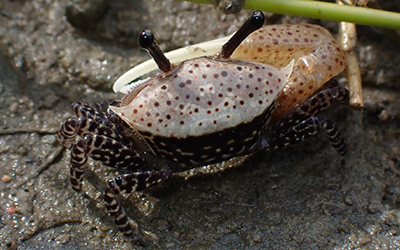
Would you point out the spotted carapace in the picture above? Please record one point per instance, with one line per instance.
(206, 110)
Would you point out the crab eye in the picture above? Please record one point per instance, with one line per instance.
(148, 42)
(253, 23)
(146, 39)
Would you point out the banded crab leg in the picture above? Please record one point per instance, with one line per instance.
(97, 139)
(304, 121)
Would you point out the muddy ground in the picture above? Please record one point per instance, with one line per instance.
(302, 197)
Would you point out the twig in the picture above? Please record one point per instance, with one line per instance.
(323, 10)
(49, 160)
(13, 131)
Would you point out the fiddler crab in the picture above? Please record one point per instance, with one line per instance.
(262, 91)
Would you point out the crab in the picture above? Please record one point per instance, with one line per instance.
(209, 109)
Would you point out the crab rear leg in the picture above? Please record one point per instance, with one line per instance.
(304, 122)
(304, 130)
(128, 183)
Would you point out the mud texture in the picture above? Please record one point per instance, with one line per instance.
(53, 53)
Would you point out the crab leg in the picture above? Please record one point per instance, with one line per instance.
(128, 183)
(304, 122)
(91, 120)
(100, 142)
(348, 40)
(306, 129)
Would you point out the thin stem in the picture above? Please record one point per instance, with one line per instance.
(323, 10)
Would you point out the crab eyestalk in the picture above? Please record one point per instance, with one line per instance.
(253, 23)
(148, 43)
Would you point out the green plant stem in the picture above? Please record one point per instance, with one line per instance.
(323, 10)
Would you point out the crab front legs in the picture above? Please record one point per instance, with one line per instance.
(304, 121)
(99, 139)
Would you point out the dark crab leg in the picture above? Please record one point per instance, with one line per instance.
(101, 148)
(304, 130)
(128, 183)
(99, 141)
(304, 122)
(91, 120)
(81, 127)
(316, 104)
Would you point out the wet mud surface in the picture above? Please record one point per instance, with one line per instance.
(299, 198)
